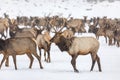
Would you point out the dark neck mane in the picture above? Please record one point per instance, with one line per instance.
(64, 43)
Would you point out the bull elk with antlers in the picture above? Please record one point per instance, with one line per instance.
(78, 46)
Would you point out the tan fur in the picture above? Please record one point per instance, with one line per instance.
(67, 34)
(20, 46)
(84, 45)
(32, 30)
(77, 24)
(78, 46)
(3, 26)
(47, 37)
(43, 41)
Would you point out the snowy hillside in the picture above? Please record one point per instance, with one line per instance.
(60, 68)
(78, 8)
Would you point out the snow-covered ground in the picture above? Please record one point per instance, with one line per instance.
(77, 8)
(60, 68)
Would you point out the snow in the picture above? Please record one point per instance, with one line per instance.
(60, 67)
(76, 8)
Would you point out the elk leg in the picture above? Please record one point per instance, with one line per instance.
(110, 41)
(45, 55)
(48, 58)
(40, 52)
(5, 56)
(118, 43)
(73, 62)
(39, 59)
(6, 31)
(48, 51)
(14, 60)
(114, 41)
(7, 62)
(98, 62)
(93, 61)
(31, 59)
(105, 39)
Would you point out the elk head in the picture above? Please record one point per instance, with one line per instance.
(56, 37)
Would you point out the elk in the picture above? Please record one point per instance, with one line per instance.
(25, 32)
(15, 31)
(68, 33)
(117, 37)
(76, 24)
(107, 27)
(3, 26)
(78, 46)
(23, 20)
(19, 46)
(93, 27)
(57, 22)
(101, 32)
(43, 41)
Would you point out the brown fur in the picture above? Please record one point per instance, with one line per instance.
(3, 26)
(68, 34)
(78, 46)
(77, 24)
(20, 46)
(43, 41)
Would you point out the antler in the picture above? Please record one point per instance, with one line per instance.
(69, 16)
(48, 14)
(60, 29)
(55, 30)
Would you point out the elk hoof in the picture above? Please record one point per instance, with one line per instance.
(41, 67)
(100, 70)
(76, 71)
(30, 67)
(48, 61)
(6, 65)
(45, 60)
(15, 68)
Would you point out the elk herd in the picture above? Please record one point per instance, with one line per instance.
(27, 40)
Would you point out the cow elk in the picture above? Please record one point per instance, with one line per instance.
(19, 46)
(43, 41)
